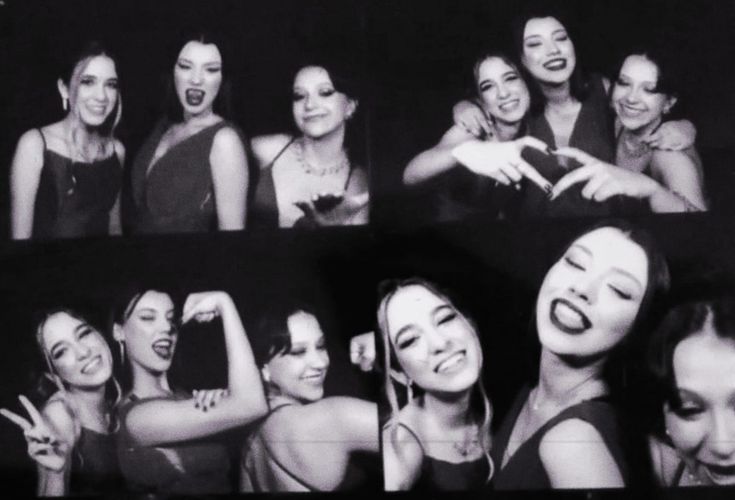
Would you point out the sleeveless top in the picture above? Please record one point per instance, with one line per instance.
(95, 468)
(263, 212)
(593, 133)
(524, 469)
(187, 468)
(441, 475)
(74, 198)
(175, 193)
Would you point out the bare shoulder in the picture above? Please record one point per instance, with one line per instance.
(227, 137)
(119, 150)
(31, 140)
(571, 430)
(359, 181)
(266, 147)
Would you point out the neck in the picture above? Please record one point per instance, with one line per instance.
(91, 407)
(644, 130)
(507, 131)
(449, 410)
(557, 95)
(325, 150)
(199, 119)
(561, 383)
(276, 400)
(81, 133)
(147, 383)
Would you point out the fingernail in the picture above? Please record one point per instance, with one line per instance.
(46, 440)
(196, 405)
(549, 150)
(205, 408)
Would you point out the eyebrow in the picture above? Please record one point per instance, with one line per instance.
(208, 63)
(555, 32)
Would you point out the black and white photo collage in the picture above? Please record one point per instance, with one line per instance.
(484, 247)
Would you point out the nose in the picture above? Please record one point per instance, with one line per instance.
(100, 92)
(585, 287)
(309, 102)
(83, 351)
(196, 77)
(721, 439)
(318, 359)
(553, 48)
(437, 341)
(503, 91)
(632, 96)
(166, 325)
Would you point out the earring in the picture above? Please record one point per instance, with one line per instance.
(409, 390)
(65, 103)
(122, 352)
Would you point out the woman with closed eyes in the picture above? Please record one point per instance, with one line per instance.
(439, 439)
(191, 175)
(309, 178)
(307, 441)
(692, 360)
(65, 177)
(71, 438)
(563, 432)
(167, 439)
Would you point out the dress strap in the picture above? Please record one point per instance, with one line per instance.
(280, 152)
(415, 436)
(43, 139)
(678, 474)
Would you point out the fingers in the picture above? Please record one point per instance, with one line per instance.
(16, 419)
(534, 143)
(590, 189)
(199, 306)
(532, 175)
(574, 177)
(580, 156)
(36, 417)
(305, 207)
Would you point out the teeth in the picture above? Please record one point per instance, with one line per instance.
(555, 64)
(92, 365)
(509, 106)
(163, 348)
(451, 362)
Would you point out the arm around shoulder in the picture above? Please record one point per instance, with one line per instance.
(25, 175)
(230, 178)
(436, 160)
(574, 455)
(682, 180)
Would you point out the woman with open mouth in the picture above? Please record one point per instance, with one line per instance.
(191, 175)
(439, 439)
(473, 186)
(166, 439)
(569, 108)
(310, 177)
(643, 95)
(692, 359)
(307, 440)
(564, 432)
(71, 438)
(65, 177)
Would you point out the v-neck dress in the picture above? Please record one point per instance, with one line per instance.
(175, 193)
(524, 469)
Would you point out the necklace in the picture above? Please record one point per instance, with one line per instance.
(566, 397)
(468, 446)
(634, 147)
(341, 164)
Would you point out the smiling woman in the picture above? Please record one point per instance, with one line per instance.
(191, 175)
(309, 178)
(65, 177)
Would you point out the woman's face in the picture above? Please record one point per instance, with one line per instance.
(77, 352)
(93, 92)
(634, 95)
(590, 298)
(548, 52)
(703, 428)
(318, 108)
(502, 90)
(435, 345)
(198, 77)
(299, 373)
(149, 332)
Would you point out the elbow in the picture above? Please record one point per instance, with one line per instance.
(252, 407)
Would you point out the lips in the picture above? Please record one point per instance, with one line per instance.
(556, 64)
(194, 97)
(720, 474)
(92, 365)
(311, 118)
(509, 106)
(630, 111)
(451, 363)
(568, 318)
(164, 348)
(97, 110)
(314, 378)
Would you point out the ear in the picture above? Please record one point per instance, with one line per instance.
(399, 377)
(63, 89)
(352, 107)
(117, 333)
(670, 103)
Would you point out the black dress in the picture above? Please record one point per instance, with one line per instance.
(74, 198)
(525, 471)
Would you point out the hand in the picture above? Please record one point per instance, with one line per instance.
(602, 180)
(502, 160)
(472, 118)
(342, 213)
(208, 398)
(672, 136)
(203, 307)
(44, 445)
(362, 351)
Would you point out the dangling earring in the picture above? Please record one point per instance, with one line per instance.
(409, 390)
(65, 103)
(122, 352)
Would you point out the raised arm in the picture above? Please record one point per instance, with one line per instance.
(161, 421)
(25, 174)
(437, 160)
(230, 179)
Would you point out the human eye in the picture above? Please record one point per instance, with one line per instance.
(214, 69)
(87, 80)
(561, 37)
(574, 262)
(298, 96)
(407, 341)
(620, 291)
(183, 65)
(689, 410)
(321, 345)
(326, 92)
(58, 352)
(113, 84)
(512, 77)
(533, 43)
(622, 82)
(485, 86)
(446, 317)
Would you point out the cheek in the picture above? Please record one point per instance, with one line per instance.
(685, 434)
(413, 362)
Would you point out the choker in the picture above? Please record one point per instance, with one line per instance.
(343, 163)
